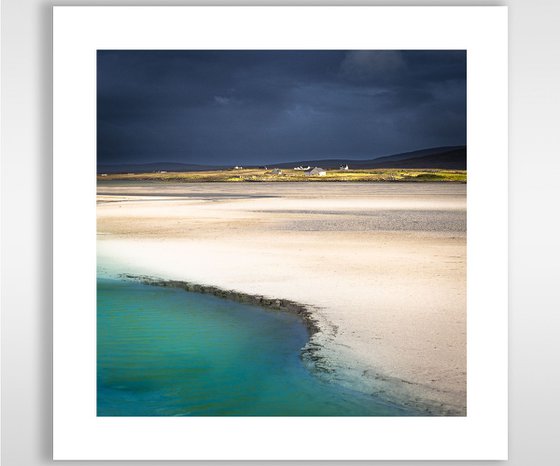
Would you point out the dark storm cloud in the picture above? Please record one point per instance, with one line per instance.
(253, 107)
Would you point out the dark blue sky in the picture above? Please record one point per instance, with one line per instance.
(258, 107)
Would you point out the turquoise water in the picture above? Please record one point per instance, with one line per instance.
(167, 352)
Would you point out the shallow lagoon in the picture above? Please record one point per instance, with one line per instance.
(167, 352)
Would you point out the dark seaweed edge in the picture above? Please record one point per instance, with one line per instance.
(310, 352)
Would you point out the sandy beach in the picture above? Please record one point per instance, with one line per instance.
(382, 266)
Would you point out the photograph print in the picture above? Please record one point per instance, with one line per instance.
(281, 233)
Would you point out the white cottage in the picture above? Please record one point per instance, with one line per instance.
(316, 172)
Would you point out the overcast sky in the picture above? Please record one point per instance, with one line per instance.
(259, 107)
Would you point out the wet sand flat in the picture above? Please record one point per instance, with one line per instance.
(382, 266)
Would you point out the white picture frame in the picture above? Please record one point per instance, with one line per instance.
(78, 433)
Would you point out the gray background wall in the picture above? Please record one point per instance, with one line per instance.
(27, 227)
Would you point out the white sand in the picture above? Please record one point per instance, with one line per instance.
(382, 265)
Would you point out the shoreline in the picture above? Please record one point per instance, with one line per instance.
(277, 304)
(304, 312)
(308, 353)
(330, 395)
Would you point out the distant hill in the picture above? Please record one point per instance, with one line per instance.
(153, 167)
(455, 159)
(418, 154)
(449, 157)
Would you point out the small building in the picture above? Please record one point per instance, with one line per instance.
(344, 167)
(276, 171)
(316, 172)
(103, 174)
(237, 167)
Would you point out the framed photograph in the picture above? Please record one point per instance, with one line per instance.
(280, 226)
